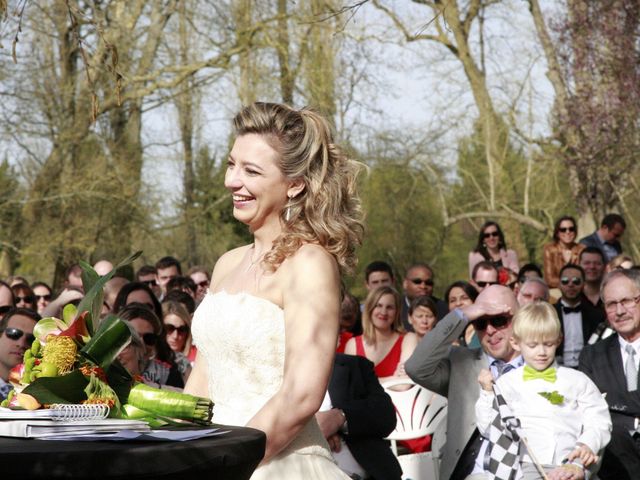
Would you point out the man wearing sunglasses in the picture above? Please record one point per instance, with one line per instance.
(578, 317)
(16, 335)
(613, 365)
(483, 275)
(451, 371)
(418, 282)
(607, 237)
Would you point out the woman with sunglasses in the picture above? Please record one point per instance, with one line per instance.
(160, 366)
(177, 325)
(491, 247)
(43, 294)
(562, 250)
(24, 296)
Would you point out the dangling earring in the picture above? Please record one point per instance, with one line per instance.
(287, 212)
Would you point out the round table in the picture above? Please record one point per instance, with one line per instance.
(233, 455)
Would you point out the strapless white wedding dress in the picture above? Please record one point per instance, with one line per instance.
(241, 336)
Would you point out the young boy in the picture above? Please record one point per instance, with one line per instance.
(563, 416)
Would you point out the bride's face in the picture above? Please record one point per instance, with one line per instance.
(258, 187)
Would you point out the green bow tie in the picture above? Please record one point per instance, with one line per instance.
(548, 375)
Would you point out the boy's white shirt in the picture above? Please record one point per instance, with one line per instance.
(552, 431)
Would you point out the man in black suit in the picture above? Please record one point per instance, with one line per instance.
(613, 366)
(578, 317)
(356, 417)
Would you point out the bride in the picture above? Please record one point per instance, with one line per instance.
(266, 332)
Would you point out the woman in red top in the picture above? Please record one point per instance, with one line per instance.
(383, 341)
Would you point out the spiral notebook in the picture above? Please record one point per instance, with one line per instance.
(64, 420)
(58, 412)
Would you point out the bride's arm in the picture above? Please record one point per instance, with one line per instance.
(311, 301)
(198, 383)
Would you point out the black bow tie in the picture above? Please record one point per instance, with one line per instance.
(575, 309)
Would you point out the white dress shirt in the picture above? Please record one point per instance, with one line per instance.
(552, 431)
(573, 337)
(623, 351)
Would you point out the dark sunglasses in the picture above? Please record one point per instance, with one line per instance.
(417, 281)
(567, 229)
(203, 283)
(577, 281)
(46, 297)
(182, 329)
(490, 234)
(150, 283)
(485, 284)
(16, 334)
(499, 321)
(150, 339)
(28, 299)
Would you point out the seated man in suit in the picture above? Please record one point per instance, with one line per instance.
(612, 364)
(578, 317)
(453, 371)
(355, 417)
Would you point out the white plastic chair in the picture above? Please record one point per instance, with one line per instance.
(419, 412)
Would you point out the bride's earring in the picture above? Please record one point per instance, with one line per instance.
(287, 212)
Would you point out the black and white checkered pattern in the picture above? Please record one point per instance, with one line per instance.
(502, 459)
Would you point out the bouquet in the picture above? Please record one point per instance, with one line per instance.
(74, 360)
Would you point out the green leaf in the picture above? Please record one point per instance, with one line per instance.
(65, 389)
(120, 381)
(554, 397)
(94, 296)
(89, 276)
(112, 336)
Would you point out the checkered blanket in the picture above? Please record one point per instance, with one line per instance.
(502, 458)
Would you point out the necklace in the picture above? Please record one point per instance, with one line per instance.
(253, 263)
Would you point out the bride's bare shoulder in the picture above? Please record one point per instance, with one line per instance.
(311, 258)
(227, 262)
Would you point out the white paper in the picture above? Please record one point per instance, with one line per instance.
(153, 435)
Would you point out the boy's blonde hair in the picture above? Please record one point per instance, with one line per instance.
(537, 321)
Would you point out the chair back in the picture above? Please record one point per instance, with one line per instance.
(418, 411)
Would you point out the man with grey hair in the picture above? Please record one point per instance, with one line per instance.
(534, 289)
(613, 365)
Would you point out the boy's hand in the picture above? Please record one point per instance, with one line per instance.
(566, 472)
(485, 379)
(584, 454)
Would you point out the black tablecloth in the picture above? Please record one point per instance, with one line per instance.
(232, 456)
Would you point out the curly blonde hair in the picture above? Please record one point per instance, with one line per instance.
(328, 211)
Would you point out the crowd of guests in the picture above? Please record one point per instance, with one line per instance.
(158, 304)
(578, 313)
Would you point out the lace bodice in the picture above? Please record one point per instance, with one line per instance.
(241, 336)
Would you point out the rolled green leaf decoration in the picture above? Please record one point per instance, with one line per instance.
(105, 345)
(168, 403)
